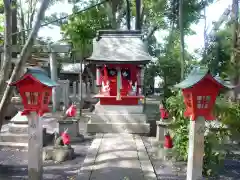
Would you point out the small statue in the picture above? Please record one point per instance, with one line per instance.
(71, 111)
(62, 149)
(133, 90)
(63, 140)
(105, 87)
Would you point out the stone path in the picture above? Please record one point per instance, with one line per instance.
(117, 157)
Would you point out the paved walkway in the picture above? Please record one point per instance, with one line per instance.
(117, 157)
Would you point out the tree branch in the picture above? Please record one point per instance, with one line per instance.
(25, 53)
(151, 32)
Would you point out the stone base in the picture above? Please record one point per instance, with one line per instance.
(118, 119)
(58, 154)
(18, 128)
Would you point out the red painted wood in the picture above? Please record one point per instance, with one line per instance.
(207, 87)
(126, 88)
(126, 100)
(28, 84)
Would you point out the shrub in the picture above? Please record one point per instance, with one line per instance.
(213, 159)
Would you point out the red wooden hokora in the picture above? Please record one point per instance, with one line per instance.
(120, 57)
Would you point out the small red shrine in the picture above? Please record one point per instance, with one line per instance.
(120, 57)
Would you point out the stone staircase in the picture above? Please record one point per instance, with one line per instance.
(118, 119)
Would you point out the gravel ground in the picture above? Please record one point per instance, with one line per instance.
(168, 170)
(13, 163)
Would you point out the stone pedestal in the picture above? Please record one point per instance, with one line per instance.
(70, 124)
(16, 132)
(196, 149)
(82, 122)
(118, 119)
(72, 127)
(35, 144)
(162, 129)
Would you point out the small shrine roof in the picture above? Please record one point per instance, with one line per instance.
(196, 75)
(39, 74)
(118, 46)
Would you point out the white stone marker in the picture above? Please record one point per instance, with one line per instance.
(35, 145)
(196, 149)
(54, 77)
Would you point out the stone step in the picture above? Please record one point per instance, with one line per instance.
(118, 118)
(10, 137)
(116, 109)
(134, 128)
(13, 144)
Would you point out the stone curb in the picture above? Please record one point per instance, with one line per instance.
(88, 164)
(145, 163)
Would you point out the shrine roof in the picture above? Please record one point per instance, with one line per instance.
(39, 74)
(196, 75)
(111, 46)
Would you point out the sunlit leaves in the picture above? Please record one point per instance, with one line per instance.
(81, 28)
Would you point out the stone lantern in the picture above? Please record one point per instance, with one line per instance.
(200, 90)
(35, 88)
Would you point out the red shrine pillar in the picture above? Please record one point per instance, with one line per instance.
(140, 79)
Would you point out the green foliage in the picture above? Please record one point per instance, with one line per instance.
(219, 52)
(176, 107)
(229, 114)
(213, 160)
(169, 63)
(82, 28)
(191, 13)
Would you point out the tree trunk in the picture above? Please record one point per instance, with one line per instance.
(25, 54)
(14, 26)
(128, 15)
(139, 15)
(181, 37)
(234, 59)
(22, 26)
(6, 65)
(205, 35)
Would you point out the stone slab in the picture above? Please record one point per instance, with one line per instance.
(88, 164)
(146, 165)
(117, 159)
(122, 109)
(138, 128)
